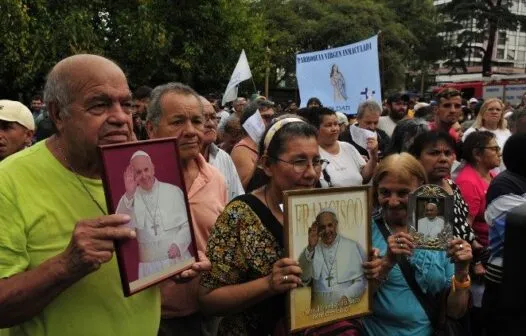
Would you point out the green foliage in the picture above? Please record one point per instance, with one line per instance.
(199, 41)
(408, 30)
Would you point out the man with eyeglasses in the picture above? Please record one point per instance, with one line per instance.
(215, 155)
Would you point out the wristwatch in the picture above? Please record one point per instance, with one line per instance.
(460, 285)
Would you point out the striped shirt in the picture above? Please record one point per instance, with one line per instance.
(505, 193)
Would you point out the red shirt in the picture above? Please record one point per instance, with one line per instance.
(473, 189)
(433, 127)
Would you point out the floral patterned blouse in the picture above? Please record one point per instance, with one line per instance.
(241, 249)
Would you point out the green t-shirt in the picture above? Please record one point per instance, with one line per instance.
(40, 202)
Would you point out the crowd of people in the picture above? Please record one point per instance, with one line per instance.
(58, 273)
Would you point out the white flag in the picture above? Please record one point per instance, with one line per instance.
(241, 73)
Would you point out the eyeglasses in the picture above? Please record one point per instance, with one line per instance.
(493, 148)
(267, 117)
(302, 164)
(211, 117)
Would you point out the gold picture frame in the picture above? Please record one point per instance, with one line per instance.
(334, 286)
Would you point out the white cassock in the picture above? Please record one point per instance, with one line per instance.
(335, 271)
(430, 228)
(160, 219)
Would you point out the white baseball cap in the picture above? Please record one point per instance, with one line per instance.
(419, 106)
(473, 100)
(14, 111)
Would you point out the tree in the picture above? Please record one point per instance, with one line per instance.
(486, 17)
(154, 41)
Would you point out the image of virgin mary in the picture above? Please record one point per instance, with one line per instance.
(338, 84)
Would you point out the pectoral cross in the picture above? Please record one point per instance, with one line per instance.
(329, 278)
(155, 226)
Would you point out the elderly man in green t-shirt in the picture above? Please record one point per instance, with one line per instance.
(58, 273)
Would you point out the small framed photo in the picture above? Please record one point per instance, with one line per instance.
(328, 232)
(431, 214)
(144, 180)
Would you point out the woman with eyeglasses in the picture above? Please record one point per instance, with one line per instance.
(436, 152)
(491, 118)
(346, 167)
(481, 155)
(249, 275)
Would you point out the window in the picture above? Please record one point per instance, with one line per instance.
(521, 40)
(521, 55)
(500, 53)
(514, 6)
(512, 39)
(510, 55)
(501, 38)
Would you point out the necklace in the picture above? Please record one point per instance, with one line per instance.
(80, 180)
(153, 215)
(266, 200)
(329, 269)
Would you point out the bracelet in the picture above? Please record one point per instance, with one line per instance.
(460, 285)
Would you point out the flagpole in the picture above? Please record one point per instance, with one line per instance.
(382, 61)
(254, 83)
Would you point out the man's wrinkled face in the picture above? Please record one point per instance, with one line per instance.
(369, 120)
(327, 227)
(143, 171)
(13, 138)
(182, 117)
(100, 112)
(211, 122)
(239, 105)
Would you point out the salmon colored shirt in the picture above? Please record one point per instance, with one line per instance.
(207, 197)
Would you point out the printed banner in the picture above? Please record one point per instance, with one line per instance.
(341, 77)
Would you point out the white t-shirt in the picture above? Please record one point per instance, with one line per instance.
(344, 168)
(387, 125)
(501, 135)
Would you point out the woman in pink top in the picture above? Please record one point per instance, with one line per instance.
(481, 154)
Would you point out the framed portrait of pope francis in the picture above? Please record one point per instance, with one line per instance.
(431, 214)
(328, 233)
(144, 180)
